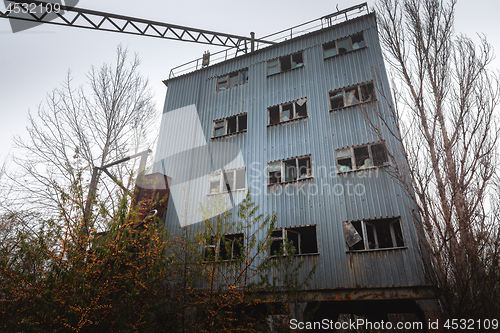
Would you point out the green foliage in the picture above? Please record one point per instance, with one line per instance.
(137, 276)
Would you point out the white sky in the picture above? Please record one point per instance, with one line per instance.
(34, 62)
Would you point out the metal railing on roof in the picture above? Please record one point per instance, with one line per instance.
(277, 37)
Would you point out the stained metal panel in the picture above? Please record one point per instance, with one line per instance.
(318, 135)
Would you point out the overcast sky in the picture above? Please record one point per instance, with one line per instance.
(34, 62)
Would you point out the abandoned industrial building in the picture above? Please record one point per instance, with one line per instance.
(300, 113)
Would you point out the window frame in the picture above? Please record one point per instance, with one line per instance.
(309, 170)
(283, 237)
(216, 245)
(226, 127)
(351, 45)
(281, 59)
(226, 78)
(222, 181)
(372, 223)
(353, 157)
(333, 94)
(295, 112)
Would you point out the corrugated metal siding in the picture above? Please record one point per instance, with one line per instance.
(318, 135)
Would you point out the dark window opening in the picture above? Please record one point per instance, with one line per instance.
(231, 246)
(231, 125)
(210, 247)
(305, 168)
(379, 154)
(301, 108)
(297, 60)
(293, 170)
(329, 50)
(373, 234)
(367, 92)
(242, 122)
(243, 76)
(336, 100)
(287, 112)
(285, 63)
(232, 80)
(362, 157)
(303, 240)
(274, 115)
(358, 41)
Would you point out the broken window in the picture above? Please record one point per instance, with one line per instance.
(361, 93)
(289, 170)
(284, 63)
(227, 181)
(231, 125)
(361, 157)
(232, 80)
(287, 111)
(343, 45)
(373, 234)
(231, 246)
(303, 240)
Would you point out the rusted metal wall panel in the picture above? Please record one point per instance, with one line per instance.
(319, 135)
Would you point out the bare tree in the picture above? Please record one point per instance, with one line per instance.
(77, 129)
(446, 100)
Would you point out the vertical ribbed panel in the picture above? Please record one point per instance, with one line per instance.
(319, 135)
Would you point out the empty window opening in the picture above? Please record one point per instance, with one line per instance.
(231, 246)
(285, 63)
(230, 125)
(361, 157)
(362, 93)
(379, 155)
(287, 111)
(210, 249)
(358, 41)
(373, 234)
(232, 80)
(289, 170)
(226, 181)
(343, 45)
(303, 240)
(329, 50)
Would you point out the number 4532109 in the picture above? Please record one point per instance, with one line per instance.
(33, 8)
(471, 324)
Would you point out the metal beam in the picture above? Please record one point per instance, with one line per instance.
(95, 20)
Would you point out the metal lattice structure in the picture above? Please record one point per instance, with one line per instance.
(96, 20)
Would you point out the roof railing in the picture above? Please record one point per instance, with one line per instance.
(277, 37)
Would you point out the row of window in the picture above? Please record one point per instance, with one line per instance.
(298, 168)
(277, 114)
(293, 61)
(358, 235)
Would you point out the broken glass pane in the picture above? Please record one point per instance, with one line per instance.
(351, 96)
(379, 154)
(297, 60)
(351, 236)
(344, 46)
(290, 170)
(358, 41)
(301, 108)
(367, 92)
(233, 80)
(329, 50)
(244, 76)
(305, 169)
(336, 100)
(287, 112)
(361, 156)
(222, 83)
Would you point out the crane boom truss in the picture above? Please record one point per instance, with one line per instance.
(96, 20)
